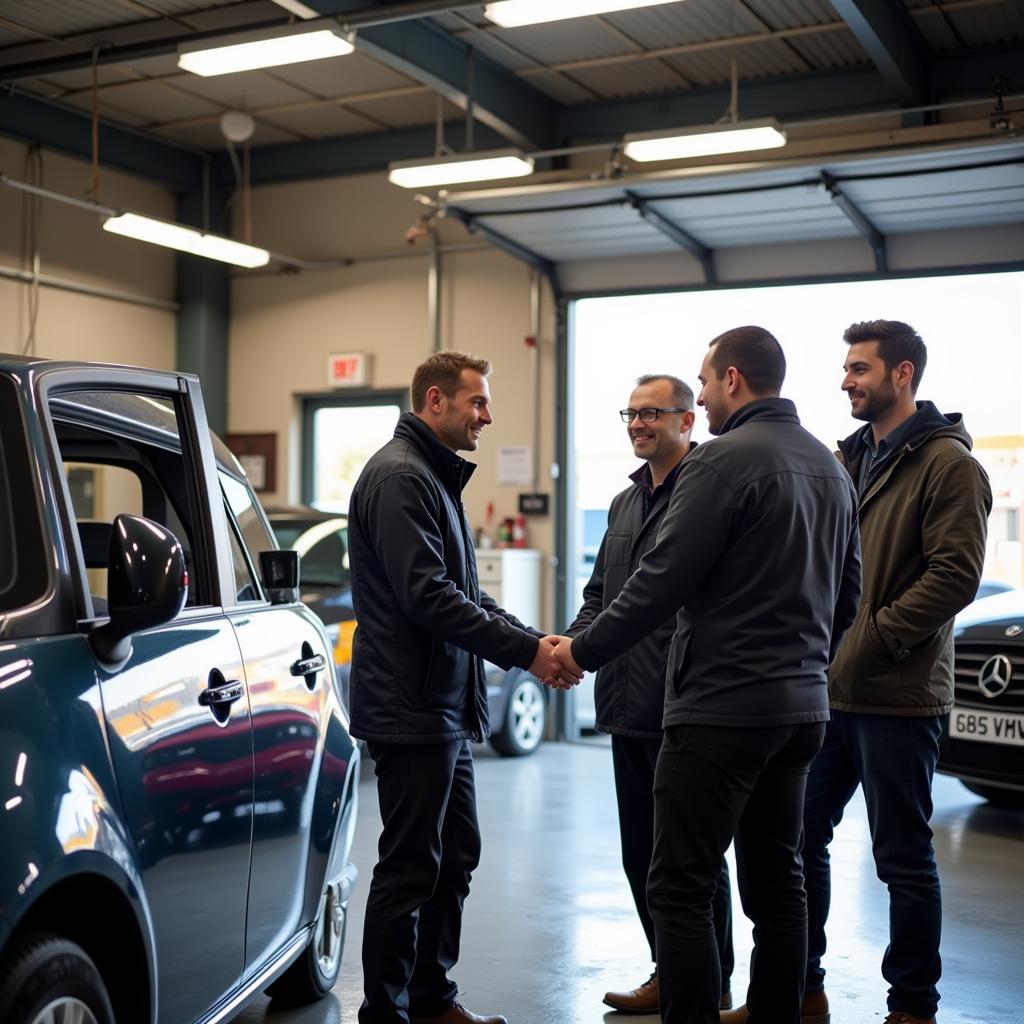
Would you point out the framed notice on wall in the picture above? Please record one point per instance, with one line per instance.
(258, 455)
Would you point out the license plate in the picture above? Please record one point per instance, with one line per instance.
(987, 727)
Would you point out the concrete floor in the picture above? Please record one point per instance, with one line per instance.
(549, 925)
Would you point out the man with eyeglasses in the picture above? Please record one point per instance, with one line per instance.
(630, 691)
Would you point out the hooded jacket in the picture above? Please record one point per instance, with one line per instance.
(423, 623)
(758, 557)
(629, 694)
(923, 525)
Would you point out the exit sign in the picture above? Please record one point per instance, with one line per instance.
(348, 369)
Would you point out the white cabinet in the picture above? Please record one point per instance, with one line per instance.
(512, 577)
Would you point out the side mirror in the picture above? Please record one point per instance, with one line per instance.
(147, 584)
(280, 572)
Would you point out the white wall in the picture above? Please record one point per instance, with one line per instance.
(284, 326)
(73, 246)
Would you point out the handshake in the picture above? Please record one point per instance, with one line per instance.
(553, 664)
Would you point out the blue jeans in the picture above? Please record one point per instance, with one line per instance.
(893, 757)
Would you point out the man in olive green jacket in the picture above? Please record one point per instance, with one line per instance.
(924, 505)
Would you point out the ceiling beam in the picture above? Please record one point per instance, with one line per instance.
(859, 220)
(670, 229)
(427, 54)
(793, 96)
(959, 75)
(510, 246)
(392, 35)
(69, 130)
(888, 34)
(348, 154)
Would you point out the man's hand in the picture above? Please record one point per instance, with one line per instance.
(553, 664)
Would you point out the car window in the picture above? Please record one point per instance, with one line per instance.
(255, 535)
(246, 587)
(122, 454)
(326, 561)
(23, 573)
(323, 547)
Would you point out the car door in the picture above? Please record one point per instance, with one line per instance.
(176, 713)
(290, 680)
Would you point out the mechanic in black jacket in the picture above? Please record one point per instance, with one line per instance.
(630, 691)
(417, 688)
(758, 554)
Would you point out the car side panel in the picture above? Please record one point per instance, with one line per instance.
(186, 785)
(59, 807)
(299, 778)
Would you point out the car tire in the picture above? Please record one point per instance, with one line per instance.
(525, 714)
(315, 972)
(49, 978)
(996, 795)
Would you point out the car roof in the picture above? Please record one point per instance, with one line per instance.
(102, 408)
(300, 513)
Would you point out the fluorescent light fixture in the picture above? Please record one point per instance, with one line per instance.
(734, 137)
(459, 168)
(513, 13)
(177, 236)
(264, 48)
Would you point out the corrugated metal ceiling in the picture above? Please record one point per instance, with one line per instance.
(709, 33)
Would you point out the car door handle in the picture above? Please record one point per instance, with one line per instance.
(309, 666)
(215, 696)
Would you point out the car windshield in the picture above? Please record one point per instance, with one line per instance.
(323, 545)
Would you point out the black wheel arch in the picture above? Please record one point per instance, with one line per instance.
(118, 948)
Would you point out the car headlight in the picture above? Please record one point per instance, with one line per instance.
(333, 629)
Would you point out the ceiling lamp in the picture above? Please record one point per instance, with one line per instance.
(730, 137)
(513, 13)
(264, 48)
(458, 168)
(177, 236)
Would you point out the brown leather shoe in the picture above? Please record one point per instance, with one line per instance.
(637, 1000)
(458, 1014)
(902, 1017)
(813, 1010)
(645, 998)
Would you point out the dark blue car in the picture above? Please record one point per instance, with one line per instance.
(178, 787)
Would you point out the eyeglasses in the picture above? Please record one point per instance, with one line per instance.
(648, 414)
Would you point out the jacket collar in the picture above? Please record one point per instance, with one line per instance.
(454, 472)
(925, 424)
(778, 410)
(642, 475)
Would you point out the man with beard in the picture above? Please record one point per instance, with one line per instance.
(630, 691)
(924, 505)
(758, 558)
(418, 693)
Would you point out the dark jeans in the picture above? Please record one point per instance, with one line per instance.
(713, 784)
(893, 757)
(634, 760)
(428, 850)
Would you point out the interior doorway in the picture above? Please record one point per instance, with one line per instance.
(339, 435)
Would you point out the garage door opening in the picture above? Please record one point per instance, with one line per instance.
(973, 326)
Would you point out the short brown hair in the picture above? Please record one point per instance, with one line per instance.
(756, 353)
(443, 370)
(897, 342)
